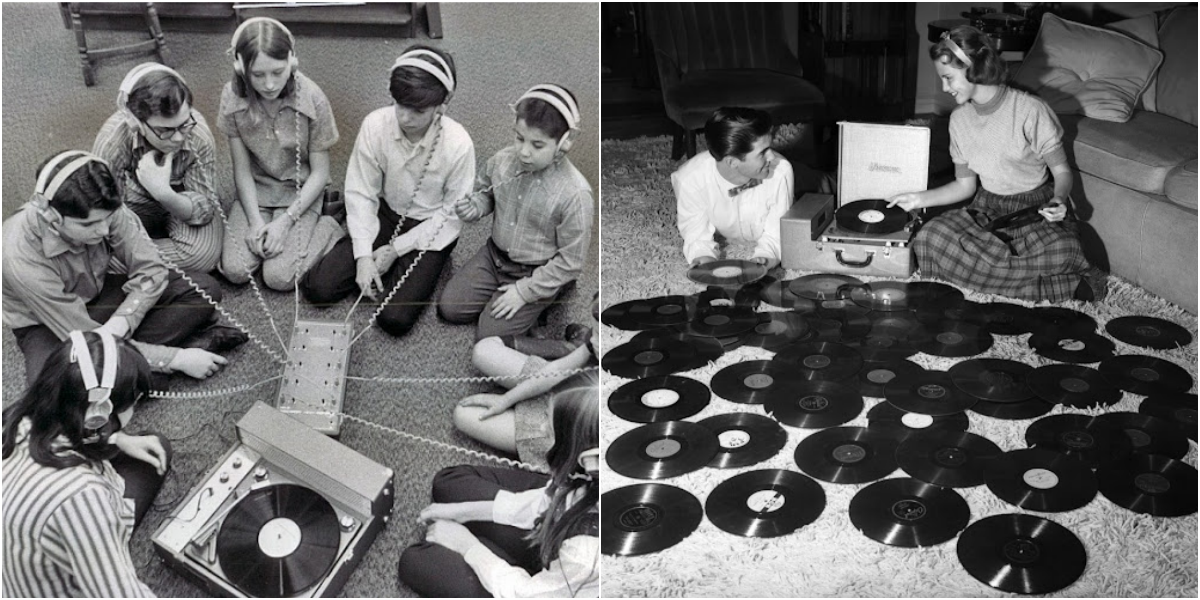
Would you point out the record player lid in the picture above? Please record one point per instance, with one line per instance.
(880, 161)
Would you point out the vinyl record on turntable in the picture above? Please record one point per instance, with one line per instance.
(1149, 435)
(1041, 479)
(661, 311)
(1072, 347)
(765, 503)
(1150, 484)
(871, 216)
(947, 458)
(993, 379)
(645, 518)
(908, 513)
(1063, 319)
(928, 393)
(1021, 554)
(1148, 332)
(662, 450)
(1005, 318)
(1179, 409)
(655, 353)
(720, 322)
(955, 339)
(1076, 386)
(882, 295)
(1145, 375)
(814, 404)
(1013, 411)
(1082, 437)
(751, 381)
(848, 454)
(278, 541)
(886, 416)
(826, 361)
(744, 439)
(728, 272)
(874, 377)
(657, 399)
(824, 286)
(775, 329)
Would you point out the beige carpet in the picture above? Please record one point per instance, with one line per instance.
(1128, 554)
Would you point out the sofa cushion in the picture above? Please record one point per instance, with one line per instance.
(1177, 80)
(1145, 30)
(1138, 154)
(1181, 184)
(1078, 68)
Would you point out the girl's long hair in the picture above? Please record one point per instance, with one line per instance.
(573, 500)
(261, 38)
(57, 401)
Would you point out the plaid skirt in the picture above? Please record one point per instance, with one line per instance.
(1037, 261)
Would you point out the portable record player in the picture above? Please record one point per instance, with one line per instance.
(287, 512)
(819, 233)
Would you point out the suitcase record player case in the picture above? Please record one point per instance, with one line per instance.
(874, 162)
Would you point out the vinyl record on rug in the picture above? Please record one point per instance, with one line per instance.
(908, 513)
(1076, 386)
(661, 354)
(873, 377)
(955, 339)
(1063, 319)
(1176, 408)
(1005, 318)
(720, 322)
(729, 344)
(883, 348)
(947, 458)
(871, 216)
(824, 286)
(1068, 347)
(1148, 332)
(821, 330)
(934, 295)
(993, 379)
(621, 316)
(646, 517)
(899, 323)
(1041, 479)
(1022, 554)
(826, 361)
(715, 296)
(1150, 484)
(662, 450)
(777, 292)
(765, 503)
(656, 399)
(1145, 375)
(967, 310)
(278, 541)
(886, 416)
(855, 320)
(775, 329)
(882, 295)
(928, 393)
(1082, 437)
(662, 311)
(1013, 411)
(848, 454)
(744, 439)
(728, 272)
(751, 381)
(1149, 435)
(814, 404)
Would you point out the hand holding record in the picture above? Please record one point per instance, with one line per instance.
(729, 272)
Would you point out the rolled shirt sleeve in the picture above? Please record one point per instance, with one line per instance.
(519, 509)
(573, 234)
(693, 222)
(576, 568)
(364, 183)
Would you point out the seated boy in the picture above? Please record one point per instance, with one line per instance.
(420, 162)
(739, 188)
(541, 229)
(57, 254)
(164, 154)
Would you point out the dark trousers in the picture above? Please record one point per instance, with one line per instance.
(471, 292)
(142, 482)
(332, 278)
(180, 312)
(435, 571)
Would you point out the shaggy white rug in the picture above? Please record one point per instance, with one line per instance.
(1128, 554)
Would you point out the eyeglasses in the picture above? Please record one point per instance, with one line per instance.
(166, 133)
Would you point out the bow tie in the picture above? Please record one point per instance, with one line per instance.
(745, 186)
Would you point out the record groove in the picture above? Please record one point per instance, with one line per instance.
(1150, 484)
(824, 286)
(947, 458)
(884, 415)
(646, 517)
(882, 295)
(751, 381)
(1148, 332)
(1076, 386)
(1013, 411)
(1072, 347)
(1022, 554)
(826, 361)
(1146, 375)
(955, 339)
(848, 454)
(766, 503)
(873, 378)
(1041, 479)
(928, 393)
(1085, 438)
(908, 513)
(870, 216)
(993, 379)
(814, 404)
(655, 399)
(744, 439)
(1176, 408)
(656, 353)
(775, 330)
(1149, 435)
(662, 450)
(728, 272)
(1004, 318)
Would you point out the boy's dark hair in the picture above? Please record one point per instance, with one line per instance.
(417, 89)
(158, 94)
(987, 68)
(732, 131)
(540, 115)
(263, 37)
(91, 186)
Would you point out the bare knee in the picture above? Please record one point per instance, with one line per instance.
(484, 350)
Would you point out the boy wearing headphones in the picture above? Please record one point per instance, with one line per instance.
(418, 161)
(75, 258)
(164, 153)
(541, 229)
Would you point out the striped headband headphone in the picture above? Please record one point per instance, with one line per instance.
(410, 59)
(958, 51)
(49, 181)
(100, 404)
(135, 75)
(558, 98)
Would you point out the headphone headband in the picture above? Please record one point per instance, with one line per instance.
(558, 98)
(99, 391)
(954, 47)
(47, 189)
(136, 74)
(238, 32)
(409, 59)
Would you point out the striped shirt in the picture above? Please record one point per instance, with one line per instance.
(66, 531)
(542, 218)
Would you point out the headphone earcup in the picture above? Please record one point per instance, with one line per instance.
(237, 64)
(293, 62)
(568, 138)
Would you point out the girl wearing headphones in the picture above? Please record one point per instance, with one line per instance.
(75, 484)
(509, 533)
(280, 128)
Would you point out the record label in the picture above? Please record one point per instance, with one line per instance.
(647, 517)
(734, 438)
(1040, 479)
(765, 501)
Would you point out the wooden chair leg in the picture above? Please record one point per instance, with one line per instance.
(160, 43)
(677, 144)
(690, 143)
(85, 62)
